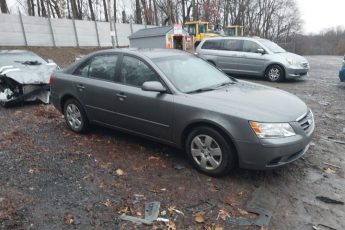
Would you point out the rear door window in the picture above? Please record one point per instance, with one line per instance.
(233, 45)
(135, 72)
(101, 67)
(211, 45)
(251, 47)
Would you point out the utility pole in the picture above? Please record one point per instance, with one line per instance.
(111, 26)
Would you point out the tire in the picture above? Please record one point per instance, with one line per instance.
(201, 143)
(275, 73)
(75, 116)
(212, 63)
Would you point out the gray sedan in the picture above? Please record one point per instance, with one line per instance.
(176, 98)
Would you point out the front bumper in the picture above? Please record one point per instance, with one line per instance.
(342, 74)
(273, 153)
(296, 72)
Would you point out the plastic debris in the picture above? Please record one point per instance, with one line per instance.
(329, 200)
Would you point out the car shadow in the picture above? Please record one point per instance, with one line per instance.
(179, 157)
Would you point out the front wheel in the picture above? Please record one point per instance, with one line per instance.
(75, 116)
(210, 152)
(275, 73)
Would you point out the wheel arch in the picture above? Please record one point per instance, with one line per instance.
(275, 63)
(209, 124)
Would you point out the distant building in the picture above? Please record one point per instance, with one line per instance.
(170, 37)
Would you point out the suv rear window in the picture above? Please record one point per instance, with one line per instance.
(211, 45)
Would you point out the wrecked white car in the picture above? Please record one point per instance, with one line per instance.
(24, 76)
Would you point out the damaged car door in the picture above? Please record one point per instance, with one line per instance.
(96, 88)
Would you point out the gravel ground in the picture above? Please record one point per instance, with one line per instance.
(52, 178)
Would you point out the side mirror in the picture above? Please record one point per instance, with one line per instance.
(261, 51)
(153, 86)
(50, 61)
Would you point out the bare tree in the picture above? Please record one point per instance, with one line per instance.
(4, 7)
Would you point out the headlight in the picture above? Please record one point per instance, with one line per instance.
(272, 130)
(290, 61)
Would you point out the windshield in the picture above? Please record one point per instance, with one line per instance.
(189, 74)
(202, 28)
(273, 47)
(20, 58)
(190, 29)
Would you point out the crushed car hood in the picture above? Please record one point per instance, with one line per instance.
(29, 74)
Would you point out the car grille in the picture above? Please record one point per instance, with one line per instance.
(306, 121)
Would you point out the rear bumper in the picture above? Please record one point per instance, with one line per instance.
(274, 152)
(296, 72)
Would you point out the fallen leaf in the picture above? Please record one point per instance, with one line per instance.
(120, 172)
(154, 158)
(218, 228)
(69, 219)
(223, 214)
(243, 212)
(329, 171)
(171, 225)
(123, 210)
(199, 217)
(106, 203)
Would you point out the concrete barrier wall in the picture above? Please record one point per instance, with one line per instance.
(16, 30)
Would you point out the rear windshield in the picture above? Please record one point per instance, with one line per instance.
(273, 47)
(20, 58)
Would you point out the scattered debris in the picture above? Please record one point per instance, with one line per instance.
(173, 209)
(324, 103)
(179, 167)
(199, 217)
(332, 165)
(329, 200)
(262, 202)
(151, 215)
(201, 207)
(106, 203)
(323, 227)
(331, 139)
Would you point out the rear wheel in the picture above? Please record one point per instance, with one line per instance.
(275, 73)
(75, 116)
(210, 152)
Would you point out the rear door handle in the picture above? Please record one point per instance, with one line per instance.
(121, 96)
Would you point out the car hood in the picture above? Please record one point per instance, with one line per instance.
(253, 102)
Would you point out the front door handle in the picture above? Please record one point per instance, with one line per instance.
(121, 96)
(80, 87)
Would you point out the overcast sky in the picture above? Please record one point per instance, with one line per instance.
(318, 15)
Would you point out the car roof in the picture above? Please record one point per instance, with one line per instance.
(150, 53)
(236, 38)
(15, 51)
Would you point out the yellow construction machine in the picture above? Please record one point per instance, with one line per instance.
(199, 31)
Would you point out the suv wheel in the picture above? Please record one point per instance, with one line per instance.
(75, 116)
(209, 151)
(275, 73)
